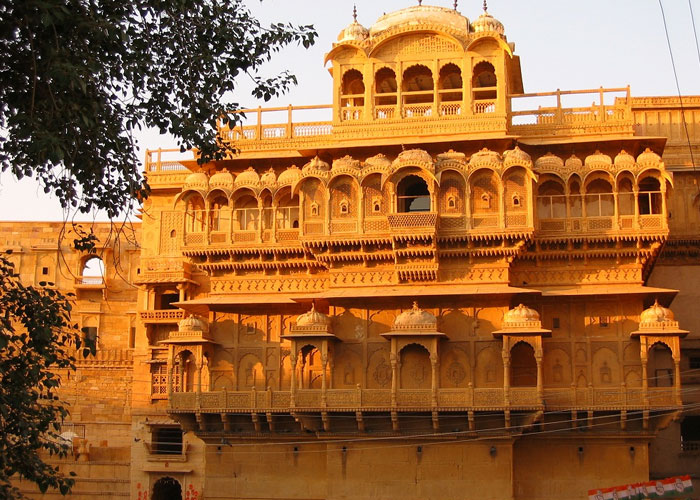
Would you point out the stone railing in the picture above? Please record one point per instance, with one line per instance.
(162, 316)
(602, 225)
(412, 221)
(466, 398)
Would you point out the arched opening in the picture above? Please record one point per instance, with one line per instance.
(649, 196)
(288, 211)
(343, 198)
(660, 366)
(385, 88)
(575, 198)
(484, 88)
(310, 367)
(184, 377)
(417, 89)
(167, 488)
(246, 214)
(599, 199)
(551, 201)
(93, 271)
(219, 214)
(412, 195)
(625, 196)
(266, 203)
(195, 215)
(416, 371)
(450, 89)
(352, 95)
(523, 372)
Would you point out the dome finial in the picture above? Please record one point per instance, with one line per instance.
(354, 12)
(415, 305)
(485, 6)
(420, 2)
(455, 5)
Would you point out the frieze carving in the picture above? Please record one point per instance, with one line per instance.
(361, 278)
(227, 285)
(580, 276)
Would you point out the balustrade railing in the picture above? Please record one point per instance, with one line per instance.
(484, 106)
(162, 316)
(412, 220)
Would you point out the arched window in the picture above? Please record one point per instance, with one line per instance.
(484, 88)
(246, 214)
(385, 93)
(575, 198)
(167, 488)
(195, 216)
(523, 371)
(352, 95)
(418, 91)
(413, 195)
(288, 212)
(551, 202)
(625, 196)
(599, 199)
(219, 213)
(660, 366)
(93, 271)
(450, 89)
(649, 196)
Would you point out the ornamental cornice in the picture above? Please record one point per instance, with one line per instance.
(376, 42)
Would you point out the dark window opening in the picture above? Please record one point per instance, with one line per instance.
(167, 441)
(604, 321)
(413, 195)
(555, 323)
(44, 271)
(694, 363)
(90, 334)
(690, 433)
(167, 299)
(132, 337)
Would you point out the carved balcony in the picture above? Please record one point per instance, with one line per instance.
(418, 222)
(162, 316)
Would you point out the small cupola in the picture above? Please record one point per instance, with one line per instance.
(415, 320)
(658, 320)
(486, 23)
(354, 32)
(522, 320)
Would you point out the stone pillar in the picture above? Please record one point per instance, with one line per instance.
(505, 353)
(324, 364)
(169, 381)
(616, 208)
(501, 204)
(394, 371)
(434, 377)
(664, 208)
(540, 377)
(293, 375)
(644, 357)
(207, 220)
(636, 223)
(677, 379)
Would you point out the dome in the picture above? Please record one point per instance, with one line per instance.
(355, 32)
(516, 157)
(221, 180)
(313, 318)
(421, 14)
(415, 318)
(269, 178)
(521, 314)
(248, 177)
(573, 163)
(485, 158)
(198, 181)
(549, 162)
(648, 156)
(318, 164)
(487, 23)
(656, 314)
(289, 176)
(624, 159)
(191, 324)
(345, 163)
(598, 160)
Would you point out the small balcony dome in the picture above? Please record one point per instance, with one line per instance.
(248, 177)
(269, 178)
(415, 319)
(289, 176)
(624, 160)
(313, 318)
(316, 165)
(192, 324)
(221, 180)
(197, 181)
(487, 23)
(656, 314)
(355, 32)
(521, 314)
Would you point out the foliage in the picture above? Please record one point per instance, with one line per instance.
(36, 338)
(78, 77)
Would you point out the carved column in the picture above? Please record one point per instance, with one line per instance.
(361, 209)
(181, 287)
(506, 372)
(635, 190)
(183, 375)
(394, 371)
(664, 208)
(399, 95)
(293, 375)
(616, 208)
(206, 220)
(302, 364)
(501, 204)
(169, 367)
(677, 378)
(301, 212)
(644, 356)
(275, 207)
(540, 377)
(434, 377)
(261, 211)
(327, 213)
(324, 364)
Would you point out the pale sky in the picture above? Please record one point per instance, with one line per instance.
(565, 44)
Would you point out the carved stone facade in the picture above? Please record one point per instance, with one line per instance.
(428, 294)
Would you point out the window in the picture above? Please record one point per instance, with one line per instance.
(690, 433)
(166, 441)
(90, 334)
(695, 363)
(132, 337)
(413, 195)
(44, 271)
(344, 207)
(159, 381)
(376, 206)
(604, 321)
(555, 323)
(167, 299)
(314, 210)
